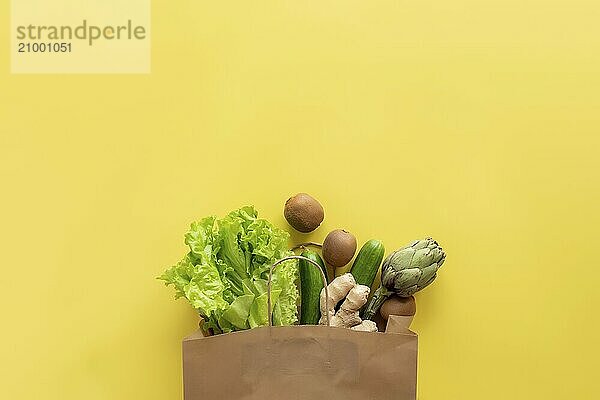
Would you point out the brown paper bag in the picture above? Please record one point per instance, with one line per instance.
(302, 362)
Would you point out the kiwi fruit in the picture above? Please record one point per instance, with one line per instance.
(339, 247)
(395, 305)
(303, 212)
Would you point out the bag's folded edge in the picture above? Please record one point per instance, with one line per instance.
(200, 334)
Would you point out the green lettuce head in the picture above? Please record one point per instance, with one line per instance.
(224, 275)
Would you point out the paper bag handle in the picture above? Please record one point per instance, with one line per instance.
(314, 264)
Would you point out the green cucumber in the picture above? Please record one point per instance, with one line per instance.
(367, 262)
(311, 284)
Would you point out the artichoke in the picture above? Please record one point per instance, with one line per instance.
(406, 271)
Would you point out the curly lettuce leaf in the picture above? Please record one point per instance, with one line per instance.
(201, 238)
(200, 284)
(238, 312)
(285, 311)
(225, 272)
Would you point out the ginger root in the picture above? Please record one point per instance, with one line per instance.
(365, 326)
(355, 296)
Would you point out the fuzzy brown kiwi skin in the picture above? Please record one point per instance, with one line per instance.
(405, 306)
(303, 212)
(339, 247)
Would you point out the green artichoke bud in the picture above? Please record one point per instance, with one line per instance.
(406, 271)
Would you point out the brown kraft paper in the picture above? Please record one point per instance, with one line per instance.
(302, 362)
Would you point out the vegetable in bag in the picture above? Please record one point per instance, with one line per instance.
(224, 275)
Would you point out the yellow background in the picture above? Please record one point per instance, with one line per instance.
(476, 122)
